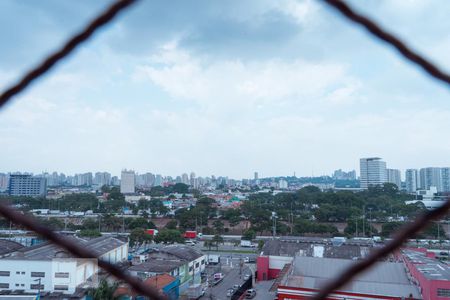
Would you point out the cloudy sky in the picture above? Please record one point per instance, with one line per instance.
(223, 87)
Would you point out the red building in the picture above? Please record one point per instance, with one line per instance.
(432, 277)
(306, 275)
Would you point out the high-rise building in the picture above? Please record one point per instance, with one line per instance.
(342, 175)
(412, 180)
(394, 176)
(102, 178)
(4, 180)
(256, 176)
(372, 172)
(445, 175)
(185, 178)
(27, 185)
(430, 177)
(127, 182)
(159, 180)
(282, 184)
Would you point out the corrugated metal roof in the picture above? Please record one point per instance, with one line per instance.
(384, 278)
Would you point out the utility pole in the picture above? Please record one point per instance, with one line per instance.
(364, 216)
(274, 223)
(356, 220)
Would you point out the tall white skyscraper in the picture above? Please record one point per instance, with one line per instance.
(412, 180)
(430, 177)
(372, 172)
(127, 182)
(394, 176)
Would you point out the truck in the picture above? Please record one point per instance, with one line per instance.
(213, 259)
(377, 239)
(246, 243)
(152, 232)
(190, 234)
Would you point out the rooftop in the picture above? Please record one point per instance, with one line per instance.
(159, 281)
(187, 253)
(312, 247)
(157, 266)
(430, 268)
(7, 246)
(49, 251)
(384, 278)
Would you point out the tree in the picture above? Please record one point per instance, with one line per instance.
(139, 236)
(217, 239)
(169, 236)
(91, 233)
(90, 224)
(140, 223)
(172, 224)
(218, 226)
(103, 291)
(249, 234)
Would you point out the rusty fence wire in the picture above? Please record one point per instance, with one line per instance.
(108, 15)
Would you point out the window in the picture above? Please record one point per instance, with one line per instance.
(190, 268)
(36, 286)
(18, 272)
(203, 261)
(17, 284)
(443, 292)
(62, 275)
(37, 274)
(23, 273)
(4, 273)
(4, 285)
(59, 287)
(197, 265)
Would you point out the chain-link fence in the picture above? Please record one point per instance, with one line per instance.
(78, 251)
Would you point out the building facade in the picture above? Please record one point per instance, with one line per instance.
(430, 177)
(412, 180)
(394, 176)
(27, 185)
(372, 172)
(127, 182)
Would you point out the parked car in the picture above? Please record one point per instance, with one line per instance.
(251, 293)
(230, 292)
(246, 277)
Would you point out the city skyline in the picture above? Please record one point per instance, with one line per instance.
(271, 86)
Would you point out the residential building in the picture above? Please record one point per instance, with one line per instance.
(127, 182)
(412, 180)
(102, 178)
(430, 177)
(195, 263)
(27, 185)
(185, 178)
(4, 180)
(445, 177)
(46, 267)
(394, 176)
(342, 175)
(372, 172)
(282, 184)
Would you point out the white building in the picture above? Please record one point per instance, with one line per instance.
(282, 184)
(394, 176)
(372, 172)
(127, 182)
(46, 267)
(412, 180)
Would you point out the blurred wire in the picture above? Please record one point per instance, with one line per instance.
(402, 235)
(389, 38)
(77, 250)
(74, 42)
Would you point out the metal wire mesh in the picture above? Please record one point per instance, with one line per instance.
(108, 15)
